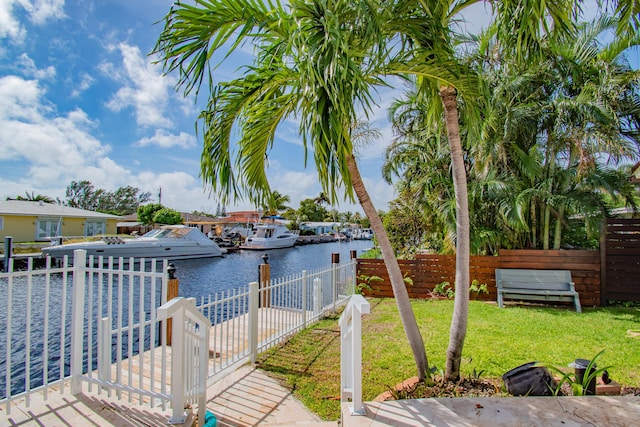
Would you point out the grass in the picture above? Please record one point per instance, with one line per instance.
(497, 341)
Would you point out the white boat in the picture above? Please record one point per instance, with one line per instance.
(170, 242)
(362, 234)
(270, 236)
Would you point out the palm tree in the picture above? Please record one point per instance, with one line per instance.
(558, 118)
(33, 198)
(321, 199)
(316, 60)
(276, 203)
(426, 28)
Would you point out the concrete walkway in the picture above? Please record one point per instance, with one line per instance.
(593, 411)
(247, 397)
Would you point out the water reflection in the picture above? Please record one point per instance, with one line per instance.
(204, 277)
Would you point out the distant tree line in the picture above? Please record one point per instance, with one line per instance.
(83, 195)
(122, 201)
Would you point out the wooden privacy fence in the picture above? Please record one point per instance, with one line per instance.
(427, 271)
(621, 260)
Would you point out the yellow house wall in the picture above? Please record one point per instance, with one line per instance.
(112, 226)
(23, 228)
(75, 226)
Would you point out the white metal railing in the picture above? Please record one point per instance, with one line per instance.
(351, 353)
(190, 356)
(251, 319)
(36, 354)
(96, 323)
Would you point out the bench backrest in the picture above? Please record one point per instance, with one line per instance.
(533, 279)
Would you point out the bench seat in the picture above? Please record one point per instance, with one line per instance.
(536, 285)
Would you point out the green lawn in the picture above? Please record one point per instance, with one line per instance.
(497, 340)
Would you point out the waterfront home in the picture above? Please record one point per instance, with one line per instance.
(320, 227)
(28, 221)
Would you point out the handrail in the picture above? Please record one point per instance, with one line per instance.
(351, 353)
(188, 362)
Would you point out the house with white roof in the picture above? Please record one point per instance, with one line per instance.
(320, 227)
(28, 221)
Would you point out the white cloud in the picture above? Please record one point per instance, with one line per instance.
(144, 87)
(56, 150)
(297, 185)
(86, 81)
(38, 11)
(10, 27)
(41, 11)
(28, 68)
(51, 145)
(164, 139)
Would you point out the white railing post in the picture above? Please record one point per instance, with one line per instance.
(104, 351)
(304, 299)
(351, 353)
(254, 298)
(334, 280)
(77, 318)
(177, 369)
(202, 377)
(317, 296)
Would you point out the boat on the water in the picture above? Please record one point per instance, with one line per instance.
(167, 242)
(270, 236)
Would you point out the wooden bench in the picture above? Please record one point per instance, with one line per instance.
(536, 285)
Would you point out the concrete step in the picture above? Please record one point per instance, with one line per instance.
(305, 424)
(88, 408)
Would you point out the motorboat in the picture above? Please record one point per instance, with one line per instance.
(362, 234)
(270, 236)
(172, 242)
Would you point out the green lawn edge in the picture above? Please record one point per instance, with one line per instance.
(497, 341)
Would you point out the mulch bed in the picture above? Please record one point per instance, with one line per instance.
(465, 387)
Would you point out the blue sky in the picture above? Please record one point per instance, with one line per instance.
(80, 99)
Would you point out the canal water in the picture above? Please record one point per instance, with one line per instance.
(208, 276)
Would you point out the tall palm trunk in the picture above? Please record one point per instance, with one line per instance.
(458, 330)
(557, 234)
(534, 226)
(551, 162)
(393, 268)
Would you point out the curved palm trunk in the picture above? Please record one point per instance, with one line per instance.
(393, 268)
(458, 330)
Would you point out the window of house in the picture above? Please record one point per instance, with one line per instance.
(48, 227)
(93, 228)
(1, 223)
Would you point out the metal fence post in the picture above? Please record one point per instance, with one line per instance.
(304, 298)
(77, 318)
(335, 263)
(317, 296)
(104, 352)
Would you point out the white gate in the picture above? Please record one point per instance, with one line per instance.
(52, 318)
